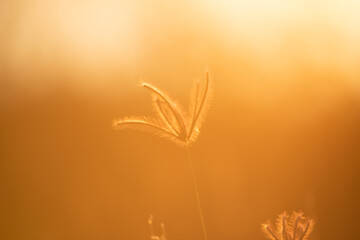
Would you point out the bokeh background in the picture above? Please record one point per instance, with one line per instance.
(283, 132)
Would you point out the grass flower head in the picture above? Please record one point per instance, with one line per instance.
(172, 122)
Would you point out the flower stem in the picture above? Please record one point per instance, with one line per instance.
(196, 192)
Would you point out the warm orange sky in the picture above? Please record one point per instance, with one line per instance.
(282, 132)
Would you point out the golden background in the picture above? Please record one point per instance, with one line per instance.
(283, 132)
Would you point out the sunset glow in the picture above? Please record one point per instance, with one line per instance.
(278, 81)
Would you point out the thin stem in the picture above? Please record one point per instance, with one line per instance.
(173, 109)
(296, 226)
(163, 115)
(305, 231)
(123, 123)
(268, 228)
(196, 117)
(196, 193)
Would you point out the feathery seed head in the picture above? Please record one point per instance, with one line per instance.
(172, 122)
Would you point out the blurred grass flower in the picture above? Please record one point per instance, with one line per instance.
(152, 232)
(294, 227)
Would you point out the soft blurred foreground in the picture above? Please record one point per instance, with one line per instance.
(283, 132)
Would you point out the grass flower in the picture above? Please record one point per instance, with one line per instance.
(175, 124)
(172, 122)
(294, 227)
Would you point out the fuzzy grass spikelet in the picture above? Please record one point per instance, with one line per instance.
(172, 122)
